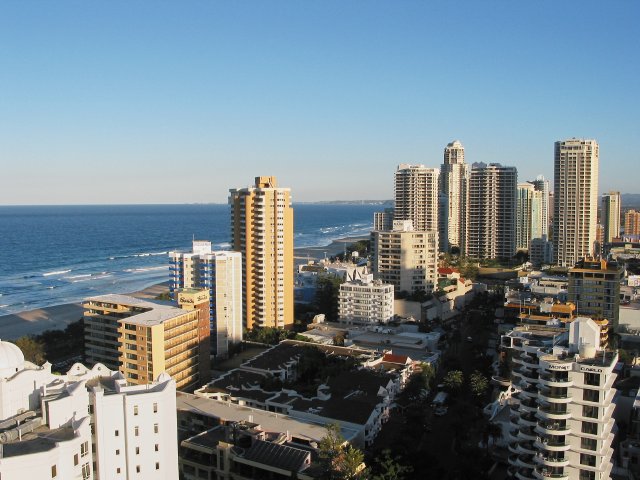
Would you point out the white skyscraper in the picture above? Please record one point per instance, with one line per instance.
(492, 211)
(611, 206)
(528, 215)
(542, 185)
(454, 198)
(575, 200)
(416, 196)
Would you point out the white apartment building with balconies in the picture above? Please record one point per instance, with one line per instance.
(561, 423)
(365, 301)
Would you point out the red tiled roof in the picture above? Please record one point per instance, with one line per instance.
(391, 358)
(446, 270)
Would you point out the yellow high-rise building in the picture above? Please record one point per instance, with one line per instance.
(262, 231)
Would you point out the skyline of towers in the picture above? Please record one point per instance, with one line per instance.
(575, 199)
(262, 231)
(492, 211)
(611, 210)
(454, 199)
(220, 272)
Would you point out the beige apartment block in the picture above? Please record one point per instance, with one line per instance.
(416, 196)
(632, 222)
(262, 231)
(454, 199)
(143, 338)
(529, 216)
(365, 301)
(406, 258)
(575, 208)
(611, 211)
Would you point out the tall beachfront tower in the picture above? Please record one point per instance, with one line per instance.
(492, 211)
(454, 199)
(575, 201)
(262, 231)
(541, 185)
(416, 196)
(220, 272)
(611, 206)
(528, 215)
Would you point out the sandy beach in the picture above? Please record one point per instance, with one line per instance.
(34, 322)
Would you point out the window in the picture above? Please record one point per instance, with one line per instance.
(117, 433)
(135, 409)
(589, 443)
(590, 427)
(155, 407)
(157, 465)
(137, 450)
(137, 468)
(118, 470)
(86, 471)
(76, 459)
(118, 452)
(591, 395)
(54, 471)
(592, 379)
(84, 449)
(136, 431)
(590, 412)
(157, 447)
(155, 428)
(586, 459)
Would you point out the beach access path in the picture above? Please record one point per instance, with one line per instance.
(57, 317)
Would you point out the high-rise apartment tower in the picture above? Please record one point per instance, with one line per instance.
(611, 206)
(575, 205)
(492, 211)
(262, 231)
(454, 198)
(220, 272)
(416, 196)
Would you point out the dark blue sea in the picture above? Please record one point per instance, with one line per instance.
(51, 255)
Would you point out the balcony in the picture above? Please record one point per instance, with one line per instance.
(548, 412)
(553, 428)
(544, 473)
(553, 461)
(551, 381)
(555, 395)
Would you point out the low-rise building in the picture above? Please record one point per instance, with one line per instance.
(358, 398)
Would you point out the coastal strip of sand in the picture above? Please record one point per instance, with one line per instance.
(34, 322)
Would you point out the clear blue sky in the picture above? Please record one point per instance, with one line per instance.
(176, 102)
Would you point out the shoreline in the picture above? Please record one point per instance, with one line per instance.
(57, 317)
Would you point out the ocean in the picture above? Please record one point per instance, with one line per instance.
(52, 255)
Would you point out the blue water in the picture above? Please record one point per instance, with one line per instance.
(51, 255)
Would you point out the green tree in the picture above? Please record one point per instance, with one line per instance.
(478, 384)
(389, 468)
(342, 461)
(326, 299)
(32, 349)
(453, 380)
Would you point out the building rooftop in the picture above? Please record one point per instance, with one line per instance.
(268, 421)
(275, 455)
(154, 313)
(40, 440)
